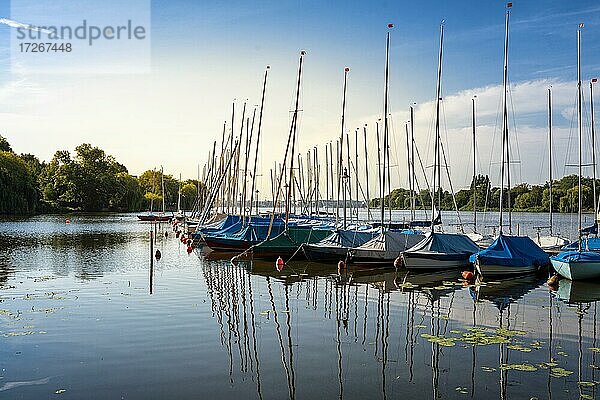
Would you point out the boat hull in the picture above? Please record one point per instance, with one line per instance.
(155, 218)
(487, 270)
(226, 244)
(319, 253)
(432, 262)
(577, 270)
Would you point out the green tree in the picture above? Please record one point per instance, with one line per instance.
(188, 196)
(19, 194)
(4, 145)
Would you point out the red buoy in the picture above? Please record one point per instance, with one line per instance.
(279, 264)
(468, 275)
(67, 221)
(189, 249)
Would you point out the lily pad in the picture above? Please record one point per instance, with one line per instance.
(560, 372)
(519, 348)
(510, 333)
(441, 340)
(586, 383)
(519, 367)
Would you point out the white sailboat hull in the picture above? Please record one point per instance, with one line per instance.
(577, 270)
(550, 243)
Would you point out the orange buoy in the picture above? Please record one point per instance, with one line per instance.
(468, 275)
(279, 264)
(341, 265)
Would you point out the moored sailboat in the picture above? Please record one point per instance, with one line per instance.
(439, 250)
(578, 264)
(508, 254)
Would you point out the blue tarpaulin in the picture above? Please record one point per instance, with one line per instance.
(578, 256)
(512, 251)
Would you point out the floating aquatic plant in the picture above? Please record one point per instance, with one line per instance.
(461, 390)
(510, 333)
(24, 333)
(441, 340)
(536, 344)
(407, 285)
(518, 367)
(519, 348)
(560, 372)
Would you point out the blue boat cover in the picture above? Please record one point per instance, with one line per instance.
(221, 224)
(254, 232)
(588, 243)
(577, 256)
(445, 243)
(512, 251)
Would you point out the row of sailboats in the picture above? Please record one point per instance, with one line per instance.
(415, 245)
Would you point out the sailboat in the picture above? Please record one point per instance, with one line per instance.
(551, 243)
(439, 250)
(578, 264)
(151, 216)
(508, 254)
(336, 246)
(180, 215)
(589, 242)
(389, 243)
(287, 243)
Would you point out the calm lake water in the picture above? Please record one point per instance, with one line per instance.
(82, 317)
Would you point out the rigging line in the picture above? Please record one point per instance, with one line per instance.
(462, 229)
(515, 135)
(570, 137)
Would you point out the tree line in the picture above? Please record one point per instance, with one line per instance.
(87, 180)
(523, 197)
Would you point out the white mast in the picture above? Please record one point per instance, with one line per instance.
(504, 119)
(437, 168)
(579, 129)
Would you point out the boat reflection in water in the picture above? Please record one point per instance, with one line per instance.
(578, 291)
(583, 297)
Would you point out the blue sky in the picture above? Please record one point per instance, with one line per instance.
(206, 53)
